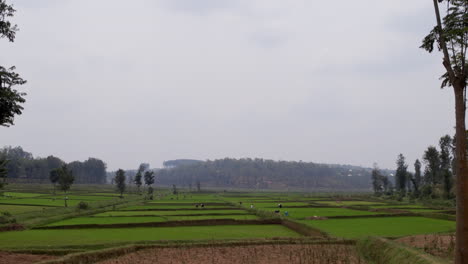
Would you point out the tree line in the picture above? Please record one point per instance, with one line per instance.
(143, 175)
(22, 165)
(264, 174)
(435, 180)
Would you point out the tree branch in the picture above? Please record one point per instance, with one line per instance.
(443, 44)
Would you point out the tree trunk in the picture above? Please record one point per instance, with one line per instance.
(461, 250)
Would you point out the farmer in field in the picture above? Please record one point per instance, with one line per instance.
(251, 206)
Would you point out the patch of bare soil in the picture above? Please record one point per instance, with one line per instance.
(15, 258)
(259, 254)
(436, 245)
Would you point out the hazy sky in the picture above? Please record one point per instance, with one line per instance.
(151, 80)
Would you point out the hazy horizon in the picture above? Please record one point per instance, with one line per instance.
(329, 82)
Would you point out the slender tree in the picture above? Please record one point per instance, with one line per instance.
(65, 181)
(137, 180)
(432, 160)
(416, 180)
(149, 181)
(401, 174)
(445, 144)
(451, 36)
(3, 173)
(377, 180)
(120, 181)
(54, 177)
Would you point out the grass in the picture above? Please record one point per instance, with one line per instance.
(423, 210)
(190, 212)
(84, 197)
(381, 226)
(39, 201)
(347, 203)
(394, 206)
(19, 209)
(144, 219)
(275, 204)
(108, 220)
(205, 217)
(180, 206)
(301, 213)
(22, 194)
(75, 237)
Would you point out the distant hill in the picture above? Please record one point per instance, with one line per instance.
(264, 174)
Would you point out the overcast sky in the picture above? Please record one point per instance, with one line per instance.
(152, 80)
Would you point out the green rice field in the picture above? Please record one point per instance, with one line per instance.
(52, 238)
(381, 226)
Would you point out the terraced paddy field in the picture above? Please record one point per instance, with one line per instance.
(170, 220)
(59, 202)
(274, 204)
(145, 219)
(19, 209)
(303, 213)
(77, 237)
(347, 203)
(381, 226)
(142, 211)
(108, 220)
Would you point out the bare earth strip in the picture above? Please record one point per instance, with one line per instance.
(262, 254)
(15, 258)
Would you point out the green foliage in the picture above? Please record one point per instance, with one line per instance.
(149, 181)
(22, 164)
(401, 174)
(83, 205)
(3, 173)
(451, 37)
(432, 159)
(119, 181)
(10, 98)
(65, 179)
(380, 183)
(137, 180)
(7, 30)
(265, 174)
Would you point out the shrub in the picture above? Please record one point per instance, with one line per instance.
(83, 205)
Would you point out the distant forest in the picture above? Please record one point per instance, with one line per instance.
(264, 174)
(22, 166)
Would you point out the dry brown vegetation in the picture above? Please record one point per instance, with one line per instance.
(16, 258)
(436, 245)
(271, 254)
